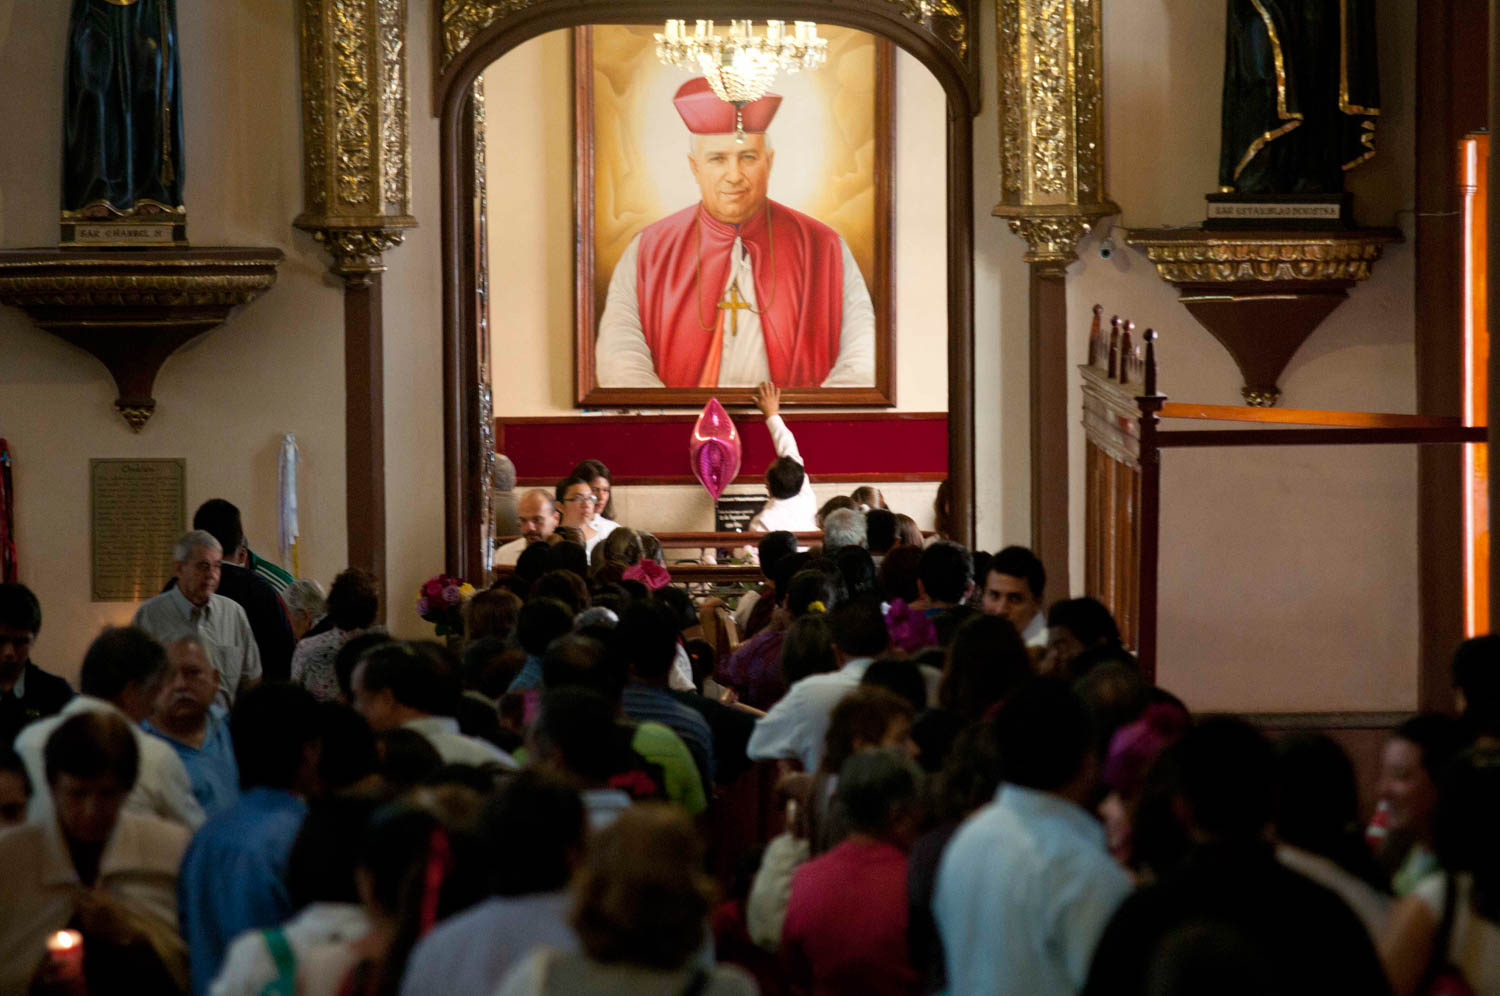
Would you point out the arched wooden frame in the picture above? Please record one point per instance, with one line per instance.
(954, 66)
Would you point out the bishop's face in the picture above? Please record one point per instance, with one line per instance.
(732, 176)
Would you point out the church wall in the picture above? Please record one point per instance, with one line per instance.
(1288, 576)
(276, 366)
(1296, 570)
(529, 112)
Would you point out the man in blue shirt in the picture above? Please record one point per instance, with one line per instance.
(1026, 886)
(190, 722)
(233, 878)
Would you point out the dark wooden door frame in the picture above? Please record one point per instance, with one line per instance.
(1452, 55)
(462, 470)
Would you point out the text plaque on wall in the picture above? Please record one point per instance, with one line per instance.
(137, 510)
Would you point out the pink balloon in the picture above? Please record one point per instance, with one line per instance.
(715, 449)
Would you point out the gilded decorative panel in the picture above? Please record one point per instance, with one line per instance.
(1051, 128)
(355, 131)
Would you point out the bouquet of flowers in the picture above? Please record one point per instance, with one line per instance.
(910, 628)
(441, 600)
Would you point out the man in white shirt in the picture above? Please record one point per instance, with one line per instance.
(1013, 589)
(192, 610)
(122, 675)
(1026, 886)
(399, 686)
(792, 506)
(796, 725)
(537, 512)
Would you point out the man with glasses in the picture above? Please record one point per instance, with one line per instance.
(537, 514)
(27, 693)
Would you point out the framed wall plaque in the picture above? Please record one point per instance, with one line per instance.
(137, 510)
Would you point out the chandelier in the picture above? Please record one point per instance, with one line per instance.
(741, 66)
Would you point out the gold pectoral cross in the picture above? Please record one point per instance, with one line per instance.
(734, 304)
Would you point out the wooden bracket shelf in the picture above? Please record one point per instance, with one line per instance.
(1262, 293)
(133, 308)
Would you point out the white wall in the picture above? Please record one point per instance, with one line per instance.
(1289, 582)
(1288, 575)
(276, 366)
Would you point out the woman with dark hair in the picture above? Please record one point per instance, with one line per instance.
(1410, 764)
(1449, 927)
(641, 914)
(986, 662)
(353, 604)
(416, 865)
(599, 479)
(898, 573)
(807, 649)
(868, 718)
(599, 517)
(754, 670)
(492, 614)
(942, 510)
(858, 570)
(908, 533)
(1075, 625)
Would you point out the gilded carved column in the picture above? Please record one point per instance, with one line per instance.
(357, 204)
(1051, 126)
(356, 151)
(1052, 193)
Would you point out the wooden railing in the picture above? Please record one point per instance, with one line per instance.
(1122, 412)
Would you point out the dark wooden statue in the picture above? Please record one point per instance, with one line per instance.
(122, 112)
(1301, 95)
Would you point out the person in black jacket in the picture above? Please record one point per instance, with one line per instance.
(27, 693)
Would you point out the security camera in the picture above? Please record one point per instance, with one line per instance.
(1106, 248)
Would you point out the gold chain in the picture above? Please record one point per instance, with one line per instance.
(698, 282)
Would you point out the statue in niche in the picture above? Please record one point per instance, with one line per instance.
(122, 118)
(1301, 95)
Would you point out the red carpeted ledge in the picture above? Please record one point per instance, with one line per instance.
(653, 449)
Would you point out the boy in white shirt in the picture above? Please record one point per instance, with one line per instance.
(792, 506)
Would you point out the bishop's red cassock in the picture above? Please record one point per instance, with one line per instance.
(800, 300)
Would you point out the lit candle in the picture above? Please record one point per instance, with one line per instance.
(672, 27)
(65, 955)
(773, 32)
(705, 28)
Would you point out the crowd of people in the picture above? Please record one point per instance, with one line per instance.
(891, 767)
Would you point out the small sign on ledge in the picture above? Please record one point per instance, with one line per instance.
(1280, 212)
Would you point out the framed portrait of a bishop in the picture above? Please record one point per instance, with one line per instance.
(720, 248)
